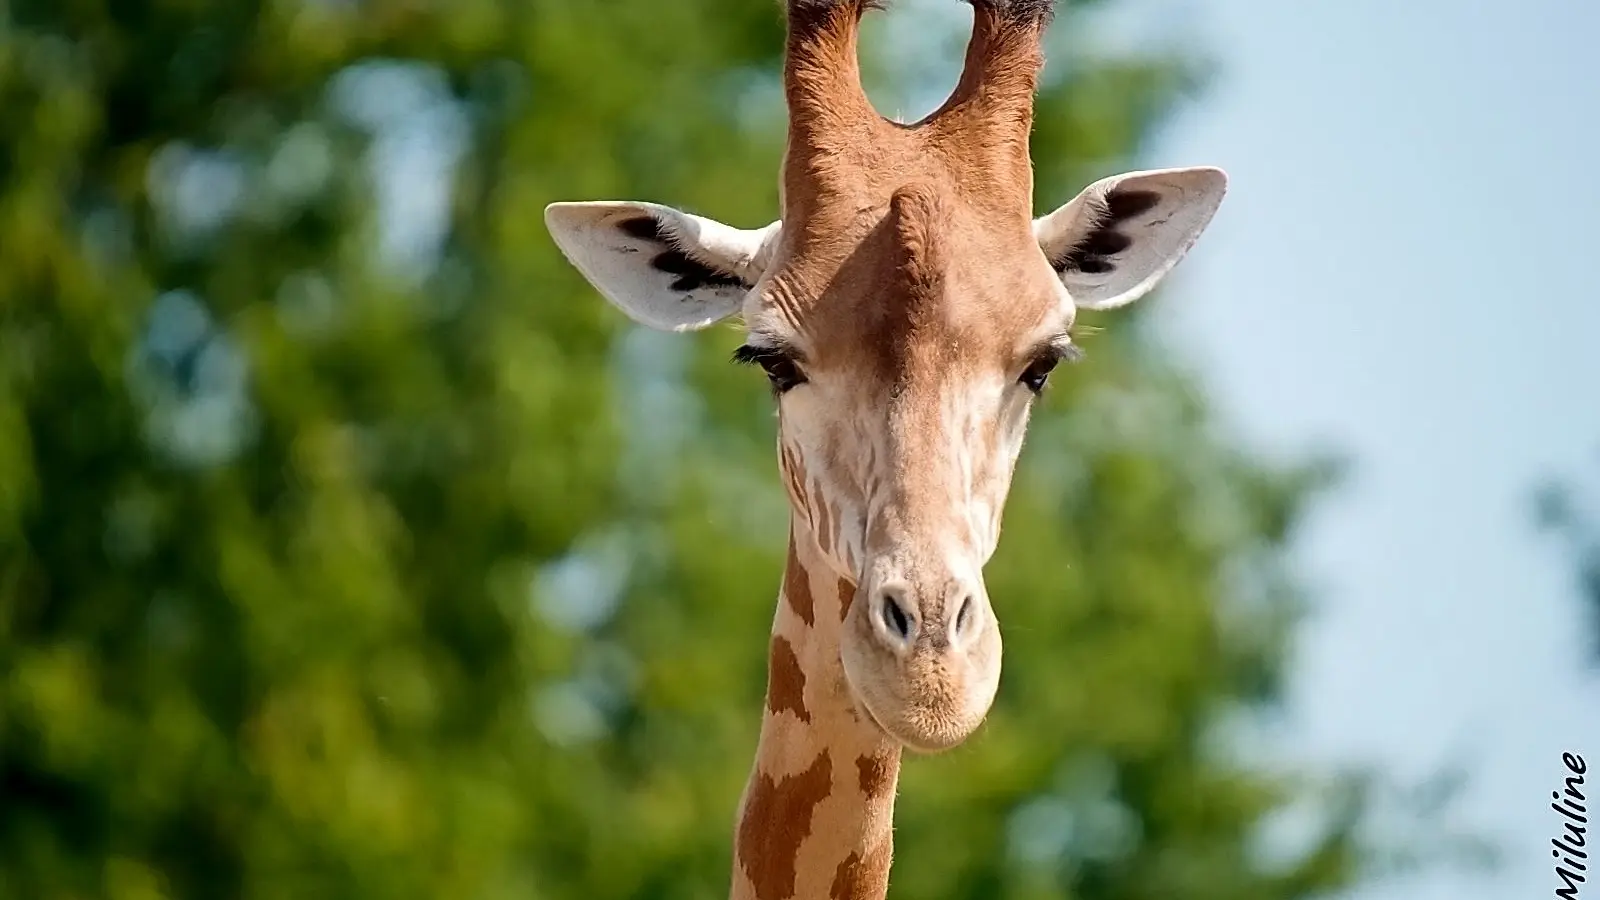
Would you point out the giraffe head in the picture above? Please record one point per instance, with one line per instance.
(908, 308)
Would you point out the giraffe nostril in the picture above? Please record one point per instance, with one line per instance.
(964, 616)
(896, 621)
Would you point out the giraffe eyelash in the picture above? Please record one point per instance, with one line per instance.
(752, 355)
(779, 363)
(1060, 349)
(1069, 353)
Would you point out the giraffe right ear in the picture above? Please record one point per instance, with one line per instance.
(664, 268)
(1120, 237)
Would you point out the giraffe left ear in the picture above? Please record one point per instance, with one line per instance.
(664, 268)
(1117, 239)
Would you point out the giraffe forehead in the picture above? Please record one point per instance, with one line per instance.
(923, 312)
(900, 248)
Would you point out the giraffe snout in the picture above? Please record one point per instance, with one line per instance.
(924, 661)
(902, 621)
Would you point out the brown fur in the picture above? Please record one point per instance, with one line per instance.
(876, 774)
(861, 877)
(824, 525)
(777, 820)
(797, 590)
(786, 682)
(794, 477)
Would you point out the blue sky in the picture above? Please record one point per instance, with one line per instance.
(1399, 273)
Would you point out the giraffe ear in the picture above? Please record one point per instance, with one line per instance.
(1115, 241)
(664, 268)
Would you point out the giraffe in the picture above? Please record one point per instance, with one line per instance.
(907, 308)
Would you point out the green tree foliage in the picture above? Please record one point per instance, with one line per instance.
(351, 547)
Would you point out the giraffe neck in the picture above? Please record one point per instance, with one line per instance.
(817, 813)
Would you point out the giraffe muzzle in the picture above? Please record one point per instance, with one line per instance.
(923, 662)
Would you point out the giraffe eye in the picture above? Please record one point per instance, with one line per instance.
(1038, 372)
(777, 363)
(1045, 359)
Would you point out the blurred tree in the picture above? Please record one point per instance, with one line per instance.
(351, 547)
(1565, 507)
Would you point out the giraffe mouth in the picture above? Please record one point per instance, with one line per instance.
(866, 713)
